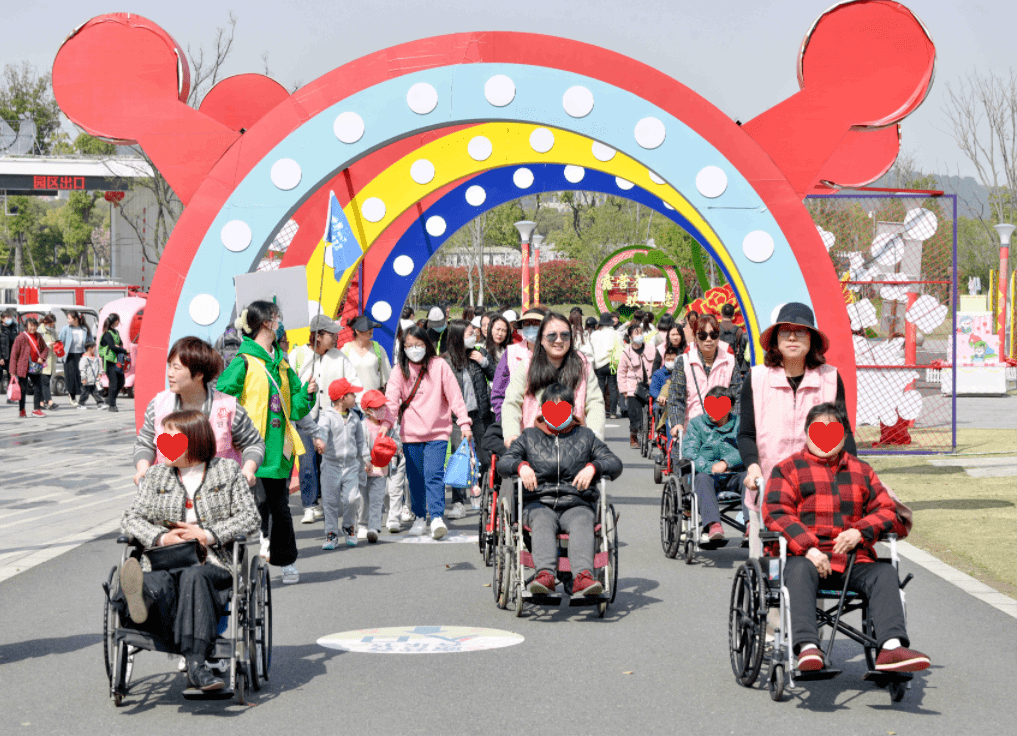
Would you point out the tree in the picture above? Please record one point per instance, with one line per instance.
(24, 92)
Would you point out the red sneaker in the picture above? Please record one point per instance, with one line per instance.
(38, 413)
(23, 415)
(901, 659)
(586, 584)
(716, 532)
(543, 583)
(810, 660)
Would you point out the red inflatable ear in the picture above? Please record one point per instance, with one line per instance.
(241, 101)
(123, 78)
(861, 158)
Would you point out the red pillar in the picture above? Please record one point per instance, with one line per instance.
(526, 275)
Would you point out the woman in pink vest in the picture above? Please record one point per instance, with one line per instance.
(191, 366)
(776, 401)
(708, 363)
(635, 367)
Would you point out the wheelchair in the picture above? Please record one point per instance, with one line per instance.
(487, 529)
(244, 639)
(512, 555)
(758, 587)
(660, 444)
(645, 434)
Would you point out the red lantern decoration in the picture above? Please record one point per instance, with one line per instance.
(113, 197)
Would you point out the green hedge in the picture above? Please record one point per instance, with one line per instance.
(560, 282)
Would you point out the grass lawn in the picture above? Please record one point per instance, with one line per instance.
(970, 523)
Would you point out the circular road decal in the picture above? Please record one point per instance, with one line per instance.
(420, 640)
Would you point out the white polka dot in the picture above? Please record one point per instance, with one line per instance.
(541, 140)
(435, 226)
(381, 311)
(758, 246)
(711, 182)
(285, 173)
(373, 210)
(602, 152)
(422, 171)
(650, 133)
(236, 236)
(654, 178)
(204, 309)
(499, 90)
(480, 148)
(476, 195)
(776, 313)
(403, 265)
(329, 260)
(313, 309)
(668, 205)
(575, 174)
(348, 127)
(577, 101)
(523, 178)
(623, 183)
(422, 98)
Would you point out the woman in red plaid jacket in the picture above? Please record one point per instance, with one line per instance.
(826, 503)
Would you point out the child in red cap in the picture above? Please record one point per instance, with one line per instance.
(342, 442)
(372, 490)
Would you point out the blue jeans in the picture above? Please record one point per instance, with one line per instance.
(309, 464)
(425, 470)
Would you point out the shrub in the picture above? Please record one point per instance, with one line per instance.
(560, 282)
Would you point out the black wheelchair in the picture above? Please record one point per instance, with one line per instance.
(758, 588)
(244, 643)
(487, 526)
(512, 555)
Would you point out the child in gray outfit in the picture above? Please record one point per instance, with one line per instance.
(342, 441)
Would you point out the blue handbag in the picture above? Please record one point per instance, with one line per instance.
(461, 470)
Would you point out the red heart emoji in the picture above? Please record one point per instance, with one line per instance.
(717, 407)
(555, 413)
(172, 445)
(826, 436)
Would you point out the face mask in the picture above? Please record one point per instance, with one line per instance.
(8, 321)
(530, 333)
(470, 341)
(416, 354)
(669, 365)
(563, 425)
(637, 339)
(440, 330)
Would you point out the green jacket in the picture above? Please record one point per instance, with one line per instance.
(705, 444)
(231, 382)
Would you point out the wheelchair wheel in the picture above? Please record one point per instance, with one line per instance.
(485, 515)
(259, 611)
(777, 683)
(658, 474)
(669, 518)
(240, 687)
(644, 433)
(123, 667)
(109, 623)
(897, 691)
(499, 583)
(747, 625)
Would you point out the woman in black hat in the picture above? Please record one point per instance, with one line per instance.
(777, 398)
(368, 357)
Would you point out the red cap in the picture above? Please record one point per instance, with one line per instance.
(338, 389)
(372, 399)
(383, 451)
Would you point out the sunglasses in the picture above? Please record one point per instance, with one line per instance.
(554, 336)
(703, 335)
(801, 333)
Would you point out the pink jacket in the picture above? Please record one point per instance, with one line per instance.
(780, 413)
(429, 415)
(629, 372)
(695, 375)
(531, 409)
(387, 420)
(224, 407)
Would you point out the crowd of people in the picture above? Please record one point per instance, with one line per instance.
(366, 433)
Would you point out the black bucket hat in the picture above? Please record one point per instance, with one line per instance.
(606, 320)
(363, 323)
(795, 313)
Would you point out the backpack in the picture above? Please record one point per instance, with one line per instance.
(736, 339)
(228, 344)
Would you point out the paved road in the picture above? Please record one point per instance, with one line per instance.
(667, 628)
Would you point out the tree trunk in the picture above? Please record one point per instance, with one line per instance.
(19, 257)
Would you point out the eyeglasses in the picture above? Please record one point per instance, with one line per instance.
(554, 336)
(703, 335)
(800, 333)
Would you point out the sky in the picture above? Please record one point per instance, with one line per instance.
(738, 54)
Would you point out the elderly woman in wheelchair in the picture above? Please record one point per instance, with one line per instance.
(831, 508)
(184, 514)
(559, 462)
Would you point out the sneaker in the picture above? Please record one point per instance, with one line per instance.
(458, 511)
(112, 408)
(264, 548)
(394, 527)
(372, 536)
(543, 583)
(308, 516)
(38, 413)
(319, 513)
(438, 528)
(406, 516)
(901, 659)
(331, 541)
(290, 575)
(132, 580)
(716, 532)
(417, 530)
(81, 407)
(101, 407)
(810, 660)
(73, 402)
(23, 415)
(351, 536)
(181, 664)
(361, 532)
(586, 584)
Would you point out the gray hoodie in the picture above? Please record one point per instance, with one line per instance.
(345, 438)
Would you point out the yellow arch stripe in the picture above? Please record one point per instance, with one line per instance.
(510, 146)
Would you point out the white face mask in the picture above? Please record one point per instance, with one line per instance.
(470, 342)
(529, 333)
(669, 365)
(415, 354)
(637, 339)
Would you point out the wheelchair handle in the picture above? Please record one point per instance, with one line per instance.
(907, 580)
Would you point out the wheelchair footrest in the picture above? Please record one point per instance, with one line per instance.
(141, 640)
(827, 674)
(882, 679)
(600, 560)
(195, 694)
(556, 599)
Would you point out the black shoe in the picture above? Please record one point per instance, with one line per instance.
(113, 408)
(199, 677)
(132, 581)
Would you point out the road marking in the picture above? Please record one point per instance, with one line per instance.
(49, 514)
(420, 640)
(449, 538)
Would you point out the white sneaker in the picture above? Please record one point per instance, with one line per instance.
(308, 516)
(394, 527)
(458, 511)
(438, 528)
(102, 407)
(406, 516)
(82, 408)
(361, 532)
(319, 513)
(182, 664)
(264, 548)
(417, 530)
(73, 402)
(290, 575)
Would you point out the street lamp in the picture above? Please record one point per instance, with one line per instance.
(526, 228)
(1005, 231)
(537, 239)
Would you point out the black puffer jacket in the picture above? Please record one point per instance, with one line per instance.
(556, 460)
